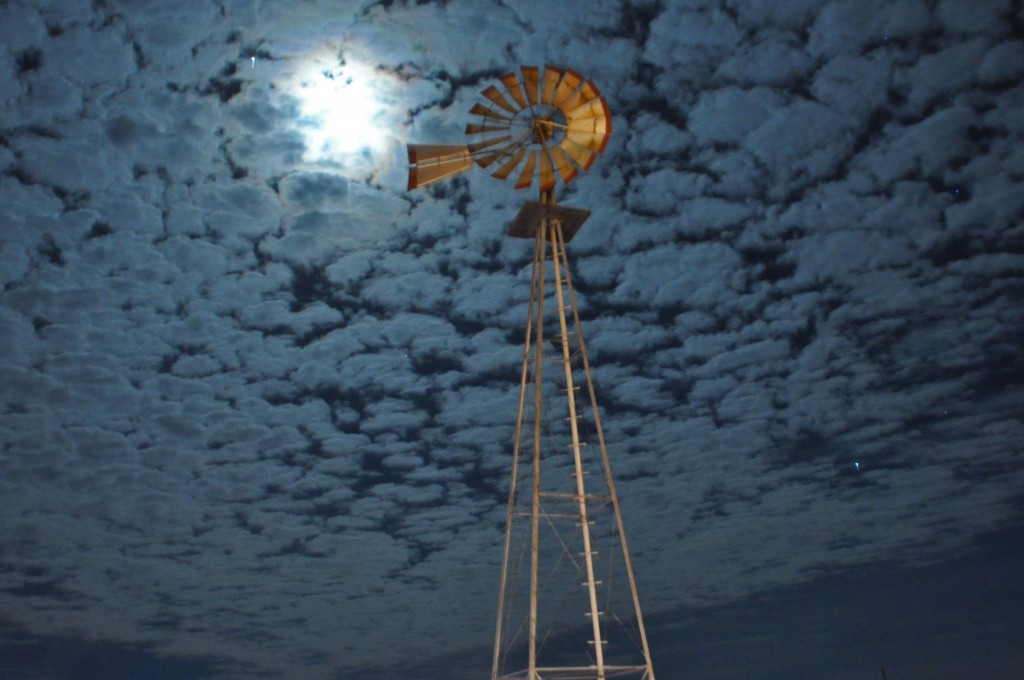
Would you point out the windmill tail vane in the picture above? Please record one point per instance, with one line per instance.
(429, 163)
(536, 126)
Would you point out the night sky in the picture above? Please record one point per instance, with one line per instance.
(257, 400)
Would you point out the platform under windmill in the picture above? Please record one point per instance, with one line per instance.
(568, 607)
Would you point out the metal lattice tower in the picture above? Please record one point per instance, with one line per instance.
(560, 614)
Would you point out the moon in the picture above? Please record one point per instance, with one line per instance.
(344, 110)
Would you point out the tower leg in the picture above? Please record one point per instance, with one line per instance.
(606, 465)
(558, 259)
(538, 260)
(538, 372)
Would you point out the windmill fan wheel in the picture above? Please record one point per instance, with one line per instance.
(533, 126)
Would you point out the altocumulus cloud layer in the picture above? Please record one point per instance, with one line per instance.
(257, 401)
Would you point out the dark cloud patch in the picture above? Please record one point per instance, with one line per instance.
(20, 174)
(237, 171)
(635, 21)
(225, 85)
(30, 59)
(99, 229)
(1002, 376)
(807, 447)
(49, 249)
(39, 588)
(309, 285)
(122, 130)
(314, 190)
(73, 199)
(139, 54)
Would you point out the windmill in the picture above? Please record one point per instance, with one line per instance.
(559, 618)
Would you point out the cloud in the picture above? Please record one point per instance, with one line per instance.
(258, 410)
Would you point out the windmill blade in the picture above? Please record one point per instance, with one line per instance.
(432, 162)
(495, 96)
(547, 171)
(552, 75)
(481, 110)
(589, 124)
(475, 129)
(591, 133)
(531, 76)
(486, 159)
(589, 90)
(511, 82)
(566, 170)
(570, 81)
(508, 166)
(526, 176)
(595, 108)
(584, 94)
(583, 156)
(487, 143)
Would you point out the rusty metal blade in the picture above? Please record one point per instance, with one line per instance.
(511, 82)
(552, 75)
(583, 156)
(487, 143)
(591, 109)
(595, 108)
(566, 170)
(486, 160)
(589, 133)
(508, 166)
(531, 76)
(475, 129)
(570, 81)
(481, 110)
(598, 125)
(586, 92)
(526, 176)
(495, 96)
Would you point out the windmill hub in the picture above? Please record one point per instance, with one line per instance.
(548, 129)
